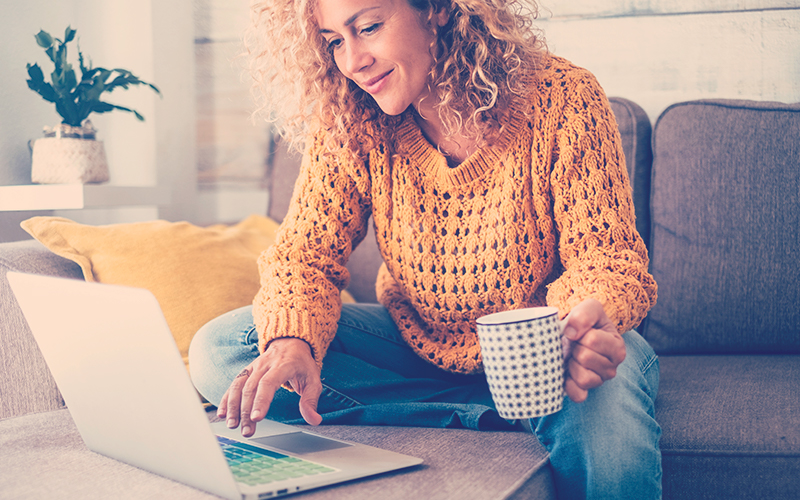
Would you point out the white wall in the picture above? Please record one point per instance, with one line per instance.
(176, 124)
(658, 52)
(22, 112)
(152, 39)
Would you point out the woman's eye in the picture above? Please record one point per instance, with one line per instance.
(332, 44)
(371, 28)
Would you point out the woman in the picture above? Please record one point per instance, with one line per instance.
(494, 176)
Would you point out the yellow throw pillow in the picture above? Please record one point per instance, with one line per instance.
(196, 273)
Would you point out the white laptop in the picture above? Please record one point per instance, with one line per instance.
(118, 368)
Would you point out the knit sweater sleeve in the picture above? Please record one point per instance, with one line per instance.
(303, 273)
(602, 254)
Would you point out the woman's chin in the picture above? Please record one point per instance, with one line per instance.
(392, 108)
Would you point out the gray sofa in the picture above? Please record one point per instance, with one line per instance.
(717, 195)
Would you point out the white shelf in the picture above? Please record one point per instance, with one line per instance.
(78, 196)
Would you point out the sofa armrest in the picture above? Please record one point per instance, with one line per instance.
(26, 385)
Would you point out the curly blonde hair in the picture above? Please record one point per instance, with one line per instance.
(485, 58)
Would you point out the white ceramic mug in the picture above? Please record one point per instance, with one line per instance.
(524, 361)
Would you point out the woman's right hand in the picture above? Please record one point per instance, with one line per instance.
(249, 396)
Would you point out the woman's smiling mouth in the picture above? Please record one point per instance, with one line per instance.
(374, 85)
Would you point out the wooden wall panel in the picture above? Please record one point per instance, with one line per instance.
(231, 148)
(660, 60)
(617, 8)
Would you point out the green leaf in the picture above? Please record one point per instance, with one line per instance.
(69, 112)
(126, 78)
(44, 39)
(69, 34)
(72, 109)
(70, 82)
(102, 107)
(121, 81)
(102, 75)
(90, 90)
(88, 75)
(38, 85)
(105, 107)
(81, 63)
(46, 91)
(61, 57)
(57, 77)
(35, 72)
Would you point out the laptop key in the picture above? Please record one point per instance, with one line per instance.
(253, 466)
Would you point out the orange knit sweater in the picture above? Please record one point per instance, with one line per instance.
(542, 216)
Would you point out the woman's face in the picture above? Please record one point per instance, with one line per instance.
(384, 46)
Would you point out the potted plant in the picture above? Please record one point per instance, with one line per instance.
(70, 152)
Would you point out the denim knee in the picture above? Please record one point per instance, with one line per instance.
(607, 446)
(220, 350)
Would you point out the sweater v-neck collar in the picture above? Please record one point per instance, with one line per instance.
(425, 156)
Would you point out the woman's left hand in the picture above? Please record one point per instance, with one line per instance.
(596, 349)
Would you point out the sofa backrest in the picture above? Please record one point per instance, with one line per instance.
(635, 132)
(635, 129)
(725, 212)
(283, 168)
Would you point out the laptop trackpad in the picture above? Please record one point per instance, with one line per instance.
(299, 443)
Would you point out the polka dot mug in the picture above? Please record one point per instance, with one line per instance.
(524, 361)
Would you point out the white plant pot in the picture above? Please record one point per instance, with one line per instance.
(62, 160)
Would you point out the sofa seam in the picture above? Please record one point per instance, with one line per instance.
(41, 412)
(718, 103)
(511, 490)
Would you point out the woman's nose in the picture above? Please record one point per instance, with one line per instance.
(357, 57)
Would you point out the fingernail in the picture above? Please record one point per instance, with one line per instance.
(255, 415)
(246, 430)
(231, 423)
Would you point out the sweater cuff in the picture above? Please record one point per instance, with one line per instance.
(292, 323)
(626, 302)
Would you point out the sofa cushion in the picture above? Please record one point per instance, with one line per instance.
(44, 456)
(195, 273)
(725, 228)
(731, 426)
(26, 385)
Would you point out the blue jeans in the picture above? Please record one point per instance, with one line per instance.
(605, 447)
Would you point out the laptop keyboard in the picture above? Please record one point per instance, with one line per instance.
(253, 466)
